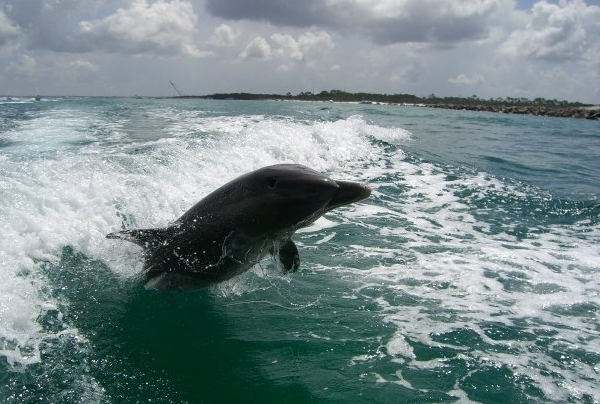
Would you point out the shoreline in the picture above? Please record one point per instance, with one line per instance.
(522, 106)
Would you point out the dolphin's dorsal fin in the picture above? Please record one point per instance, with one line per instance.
(146, 238)
(288, 256)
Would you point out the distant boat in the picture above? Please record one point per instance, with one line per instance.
(38, 98)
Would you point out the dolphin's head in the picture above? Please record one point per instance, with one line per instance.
(290, 196)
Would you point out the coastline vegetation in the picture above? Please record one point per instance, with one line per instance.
(537, 106)
(432, 99)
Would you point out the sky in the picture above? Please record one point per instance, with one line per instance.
(487, 48)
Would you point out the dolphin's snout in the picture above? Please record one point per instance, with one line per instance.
(348, 192)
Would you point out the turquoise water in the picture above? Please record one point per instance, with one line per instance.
(471, 274)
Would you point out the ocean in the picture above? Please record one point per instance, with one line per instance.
(470, 275)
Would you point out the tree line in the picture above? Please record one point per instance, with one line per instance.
(432, 99)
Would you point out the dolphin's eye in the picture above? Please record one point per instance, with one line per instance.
(272, 183)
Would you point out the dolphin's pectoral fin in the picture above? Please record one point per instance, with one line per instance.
(145, 238)
(289, 257)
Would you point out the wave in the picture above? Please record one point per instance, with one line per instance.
(59, 190)
(454, 271)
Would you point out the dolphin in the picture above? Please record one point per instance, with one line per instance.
(238, 224)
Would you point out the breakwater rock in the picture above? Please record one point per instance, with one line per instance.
(563, 112)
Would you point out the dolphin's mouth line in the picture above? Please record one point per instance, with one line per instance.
(347, 193)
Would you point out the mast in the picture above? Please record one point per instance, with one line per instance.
(178, 92)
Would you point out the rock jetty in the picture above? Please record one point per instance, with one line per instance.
(563, 112)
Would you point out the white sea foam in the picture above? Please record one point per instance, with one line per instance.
(477, 275)
(76, 176)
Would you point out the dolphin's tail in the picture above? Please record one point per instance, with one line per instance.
(146, 238)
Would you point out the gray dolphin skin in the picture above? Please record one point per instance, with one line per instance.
(237, 225)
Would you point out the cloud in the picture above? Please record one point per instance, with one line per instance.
(9, 31)
(278, 12)
(464, 80)
(29, 66)
(83, 65)
(161, 28)
(409, 73)
(306, 50)
(224, 36)
(315, 45)
(137, 27)
(259, 48)
(287, 47)
(384, 21)
(490, 47)
(559, 32)
(25, 66)
(50, 25)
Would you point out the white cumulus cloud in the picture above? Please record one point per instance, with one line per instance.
(569, 30)
(315, 45)
(307, 49)
(287, 48)
(259, 48)
(162, 28)
(224, 35)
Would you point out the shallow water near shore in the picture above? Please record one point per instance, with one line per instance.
(471, 274)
